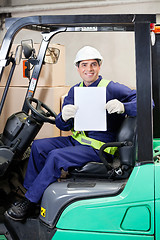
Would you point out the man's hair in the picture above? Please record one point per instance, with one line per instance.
(98, 60)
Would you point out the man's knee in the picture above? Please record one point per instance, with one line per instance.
(37, 143)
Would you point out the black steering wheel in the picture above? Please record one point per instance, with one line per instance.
(39, 112)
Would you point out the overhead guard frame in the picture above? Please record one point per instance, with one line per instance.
(139, 23)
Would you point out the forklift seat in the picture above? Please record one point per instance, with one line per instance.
(94, 179)
(125, 160)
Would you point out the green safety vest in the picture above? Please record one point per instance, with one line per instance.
(81, 137)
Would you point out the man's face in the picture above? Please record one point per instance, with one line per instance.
(89, 71)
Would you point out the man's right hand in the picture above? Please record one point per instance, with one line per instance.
(69, 111)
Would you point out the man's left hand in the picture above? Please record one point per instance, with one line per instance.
(115, 106)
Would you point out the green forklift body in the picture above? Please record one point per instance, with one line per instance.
(130, 215)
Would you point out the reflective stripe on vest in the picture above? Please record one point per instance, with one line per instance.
(81, 137)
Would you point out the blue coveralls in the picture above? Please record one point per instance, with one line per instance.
(49, 156)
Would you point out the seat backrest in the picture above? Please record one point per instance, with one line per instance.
(128, 133)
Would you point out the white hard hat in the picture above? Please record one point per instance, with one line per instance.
(87, 53)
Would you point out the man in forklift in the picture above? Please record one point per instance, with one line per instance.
(49, 156)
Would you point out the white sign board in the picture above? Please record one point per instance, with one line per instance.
(91, 113)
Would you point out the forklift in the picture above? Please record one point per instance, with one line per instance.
(100, 200)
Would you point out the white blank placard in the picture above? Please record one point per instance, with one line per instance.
(91, 113)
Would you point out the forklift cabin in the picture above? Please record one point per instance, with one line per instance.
(98, 201)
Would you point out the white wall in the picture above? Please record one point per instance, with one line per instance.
(117, 48)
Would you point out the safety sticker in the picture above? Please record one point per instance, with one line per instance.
(32, 84)
(43, 212)
(30, 93)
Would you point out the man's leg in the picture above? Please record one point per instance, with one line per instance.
(39, 152)
(72, 156)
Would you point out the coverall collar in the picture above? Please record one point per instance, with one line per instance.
(94, 84)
